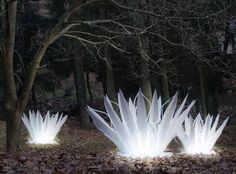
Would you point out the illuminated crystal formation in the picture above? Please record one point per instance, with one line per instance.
(43, 130)
(138, 132)
(199, 136)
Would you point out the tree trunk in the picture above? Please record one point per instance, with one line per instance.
(13, 130)
(80, 86)
(144, 70)
(164, 77)
(10, 96)
(165, 84)
(146, 84)
(111, 90)
(109, 87)
(104, 87)
(34, 98)
(144, 46)
(213, 103)
(203, 99)
(89, 87)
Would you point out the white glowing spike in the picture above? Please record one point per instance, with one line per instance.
(43, 130)
(138, 132)
(199, 136)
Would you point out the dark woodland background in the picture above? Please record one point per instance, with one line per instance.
(189, 47)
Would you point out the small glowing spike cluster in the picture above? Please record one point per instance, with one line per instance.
(199, 136)
(43, 130)
(138, 132)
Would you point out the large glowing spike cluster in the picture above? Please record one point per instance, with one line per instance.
(43, 130)
(138, 132)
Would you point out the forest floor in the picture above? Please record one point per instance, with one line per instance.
(88, 151)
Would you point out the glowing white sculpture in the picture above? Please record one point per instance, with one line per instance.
(136, 132)
(43, 130)
(198, 136)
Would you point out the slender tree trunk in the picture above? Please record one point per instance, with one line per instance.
(89, 92)
(110, 86)
(80, 86)
(164, 77)
(111, 90)
(89, 87)
(34, 98)
(104, 87)
(165, 84)
(146, 84)
(144, 70)
(213, 103)
(203, 99)
(144, 45)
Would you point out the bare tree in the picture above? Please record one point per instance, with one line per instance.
(15, 104)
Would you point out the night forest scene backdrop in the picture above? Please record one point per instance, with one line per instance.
(118, 86)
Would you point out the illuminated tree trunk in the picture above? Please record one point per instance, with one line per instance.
(144, 47)
(145, 84)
